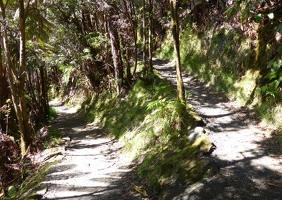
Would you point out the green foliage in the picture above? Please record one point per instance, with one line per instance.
(211, 57)
(233, 10)
(279, 30)
(278, 137)
(66, 69)
(270, 113)
(153, 126)
(246, 9)
(167, 49)
(52, 113)
(274, 76)
(26, 189)
(226, 59)
(53, 138)
(97, 40)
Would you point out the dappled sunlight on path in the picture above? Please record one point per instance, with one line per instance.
(92, 166)
(250, 161)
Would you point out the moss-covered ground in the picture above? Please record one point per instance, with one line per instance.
(153, 126)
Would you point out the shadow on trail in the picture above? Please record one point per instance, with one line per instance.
(236, 180)
(92, 166)
(199, 94)
(256, 172)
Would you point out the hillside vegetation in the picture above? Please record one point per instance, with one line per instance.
(154, 126)
(238, 52)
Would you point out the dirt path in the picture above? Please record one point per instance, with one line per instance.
(250, 161)
(92, 166)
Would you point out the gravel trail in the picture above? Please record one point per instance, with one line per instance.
(92, 166)
(250, 161)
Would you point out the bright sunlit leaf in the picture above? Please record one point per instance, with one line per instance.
(270, 15)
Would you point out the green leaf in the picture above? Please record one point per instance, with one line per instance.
(156, 104)
(141, 191)
(279, 28)
(280, 76)
(272, 75)
(258, 92)
(274, 85)
(270, 64)
(258, 18)
(270, 93)
(264, 88)
(280, 48)
(12, 191)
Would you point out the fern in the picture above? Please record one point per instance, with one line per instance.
(271, 90)
(156, 104)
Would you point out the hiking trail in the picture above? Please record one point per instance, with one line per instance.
(250, 160)
(92, 166)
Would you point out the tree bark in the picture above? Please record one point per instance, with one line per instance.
(175, 35)
(25, 126)
(44, 91)
(16, 79)
(144, 39)
(150, 37)
(116, 55)
(4, 89)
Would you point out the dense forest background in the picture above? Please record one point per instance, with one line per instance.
(82, 49)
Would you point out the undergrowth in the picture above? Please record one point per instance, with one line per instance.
(25, 189)
(225, 59)
(153, 126)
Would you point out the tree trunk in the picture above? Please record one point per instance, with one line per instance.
(116, 55)
(44, 93)
(144, 39)
(4, 90)
(150, 37)
(24, 127)
(133, 22)
(16, 79)
(175, 35)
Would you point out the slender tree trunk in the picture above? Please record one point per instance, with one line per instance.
(144, 39)
(44, 89)
(16, 79)
(25, 126)
(129, 7)
(128, 67)
(133, 22)
(116, 54)
(150, 37)
(175, 35)
(4, 89)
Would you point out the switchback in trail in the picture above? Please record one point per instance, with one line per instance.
(250, 160)
(91, 167)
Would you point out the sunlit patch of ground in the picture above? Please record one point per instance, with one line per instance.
(92, 166)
